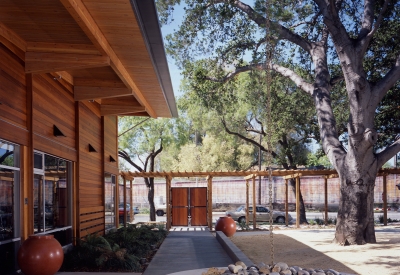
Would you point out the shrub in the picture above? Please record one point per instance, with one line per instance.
(118, 250)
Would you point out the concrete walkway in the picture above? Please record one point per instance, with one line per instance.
(187, 250)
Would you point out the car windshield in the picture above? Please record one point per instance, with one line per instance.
(240, 208)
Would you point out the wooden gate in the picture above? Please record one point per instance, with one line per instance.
(189, 203)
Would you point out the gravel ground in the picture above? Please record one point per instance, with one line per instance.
(313, 248)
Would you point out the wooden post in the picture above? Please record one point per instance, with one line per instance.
(168, 195)
(254, 204)
(247, 202)
(286, 203)
(209, 201)
(131, 214)
(384, 197)
(125, 214)
(297, 202)
(326, 199)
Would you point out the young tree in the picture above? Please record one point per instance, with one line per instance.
(334, 41)
(141, 145)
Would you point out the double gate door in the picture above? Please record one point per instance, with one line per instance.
(189, 206)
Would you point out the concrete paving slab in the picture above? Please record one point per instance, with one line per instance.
(187, 250)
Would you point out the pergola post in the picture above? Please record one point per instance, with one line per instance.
(254, 203)
(297, 202)
(125, 214)
(168, 195)
(384, 197)
(209, 201)
(131, 214)
(286, 203)
(247, 202)
(326, 199)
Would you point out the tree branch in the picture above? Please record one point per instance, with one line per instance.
(367, 31)
(383, 156)
(283, 32)
(124, 155)
(299, 81)
(273, 154)
(383, 86)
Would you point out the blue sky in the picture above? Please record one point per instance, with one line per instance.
(173, 70)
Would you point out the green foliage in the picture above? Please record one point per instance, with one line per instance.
(243, 225)
(318, 160)
(119, 250)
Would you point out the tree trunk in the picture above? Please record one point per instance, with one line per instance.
(150, 197)
(303, 218)
(355, 220)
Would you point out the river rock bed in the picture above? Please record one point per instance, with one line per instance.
(263, 269)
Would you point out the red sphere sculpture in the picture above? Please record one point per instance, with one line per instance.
(40, 255)
(227, 225)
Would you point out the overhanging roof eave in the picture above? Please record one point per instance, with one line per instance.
(151, 33)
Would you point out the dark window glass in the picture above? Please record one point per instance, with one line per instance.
(7, 154)
(51, 204)
(38, 161)
(109, 191)
(7, 178)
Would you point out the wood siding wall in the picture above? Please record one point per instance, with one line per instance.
(53, 104)
(110, 144)
(91, 172)
(30, 106)
(13, 117)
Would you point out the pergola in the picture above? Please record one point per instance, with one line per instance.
(250, 175)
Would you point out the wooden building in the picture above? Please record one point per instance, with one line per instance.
(68, 69)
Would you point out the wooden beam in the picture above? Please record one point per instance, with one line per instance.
(384, 197)
(247, 202)
(326, 199)
(254, 204)
(292, 176)
(88, 93)
(209, 201)
(249, 177)
(168, 195)
(286, 203)
(131, 214)
(61, 48)
(82, 16)
(107, 110)
(125, 214)
(55, 62)
(297, 202)
(11, 36)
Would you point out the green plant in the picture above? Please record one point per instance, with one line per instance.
(312, 222)
(243, 225)
(118, 250)
(145, 211)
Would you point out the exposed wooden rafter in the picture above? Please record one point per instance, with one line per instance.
(98, 92)
(38, 62)
(109, 110)
(61, 48)
(83, 17)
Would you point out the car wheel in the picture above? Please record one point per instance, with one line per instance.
(160, 213)
(280, 220)
(242, 220)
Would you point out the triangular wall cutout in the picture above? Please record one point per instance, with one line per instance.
(57, 132)
(91, 149)
(112, 159)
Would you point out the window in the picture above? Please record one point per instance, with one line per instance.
(9, 205)
(52, 194)
(109, 193)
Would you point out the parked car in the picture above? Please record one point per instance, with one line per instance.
(121, 209)
(262, 214)
(128, 208)
(161, 210)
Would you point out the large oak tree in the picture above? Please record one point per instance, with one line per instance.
(343, 42)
